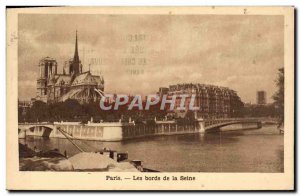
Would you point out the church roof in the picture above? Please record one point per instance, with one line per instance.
(85, 78)
(66, 79)
(98, 79)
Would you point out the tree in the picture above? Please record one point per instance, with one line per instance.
(72, 110)
(278, 97)
(38, 112)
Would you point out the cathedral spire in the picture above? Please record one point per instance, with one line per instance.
(75, 66)
(76, 56)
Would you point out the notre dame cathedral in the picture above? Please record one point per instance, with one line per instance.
(71, 84)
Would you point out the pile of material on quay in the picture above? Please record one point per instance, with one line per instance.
(53, 160)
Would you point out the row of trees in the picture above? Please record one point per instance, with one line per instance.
(260, 111)
(72, 110)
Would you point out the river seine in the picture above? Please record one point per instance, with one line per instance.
(255, 150)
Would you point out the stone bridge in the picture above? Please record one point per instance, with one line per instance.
(215, 124)
(35, 129)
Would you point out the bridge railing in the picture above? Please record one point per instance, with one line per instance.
(209, 122)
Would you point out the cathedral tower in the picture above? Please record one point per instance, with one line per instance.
(75, 65)
(47, 69)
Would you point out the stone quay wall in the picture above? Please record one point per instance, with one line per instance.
(114, 131)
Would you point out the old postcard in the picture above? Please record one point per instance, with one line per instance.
(150, 98)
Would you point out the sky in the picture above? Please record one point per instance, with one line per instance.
(137, 54)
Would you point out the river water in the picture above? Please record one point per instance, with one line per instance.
(255, 150)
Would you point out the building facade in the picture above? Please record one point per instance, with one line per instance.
(71, 84)
(261, 98)
(213, 101)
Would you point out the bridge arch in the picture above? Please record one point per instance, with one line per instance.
(37, 130)
(217, 126)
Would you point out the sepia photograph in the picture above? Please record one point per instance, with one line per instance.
(142, 92)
